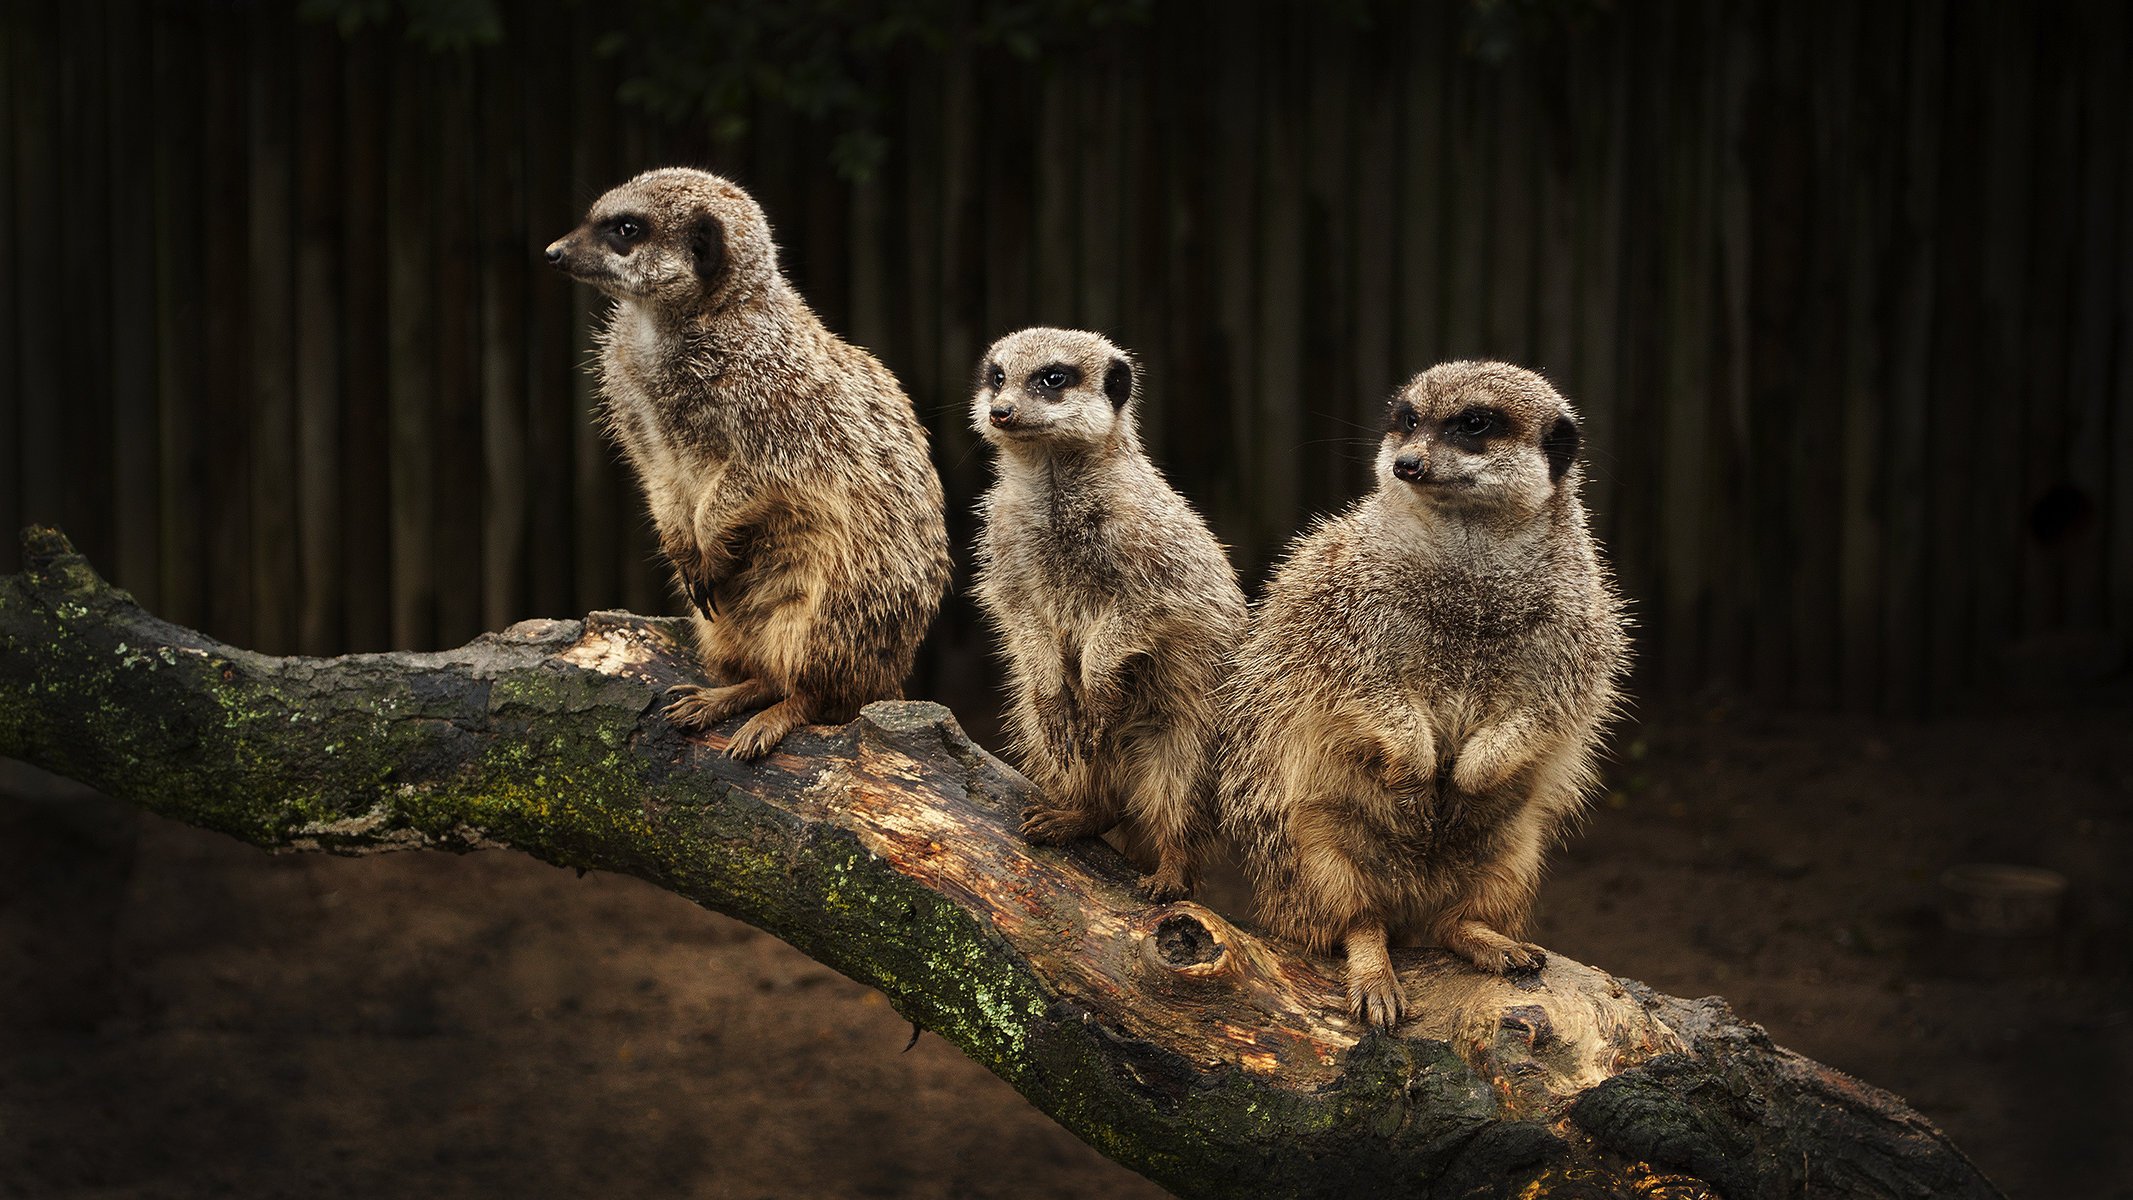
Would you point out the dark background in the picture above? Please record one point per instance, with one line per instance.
(1844, 291)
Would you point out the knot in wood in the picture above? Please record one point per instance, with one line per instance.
(1182, 941)
(1185, 941)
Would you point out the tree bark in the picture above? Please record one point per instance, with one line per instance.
(1215, 1061)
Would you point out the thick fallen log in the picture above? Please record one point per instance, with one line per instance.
(1214, 1061)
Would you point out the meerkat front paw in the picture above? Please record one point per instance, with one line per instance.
(1491, 757)
(1508, 959)
(699, 579)
(695, 706)
(1047, 825)
(1490, 950)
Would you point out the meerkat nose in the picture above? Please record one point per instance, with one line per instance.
(1002, 413)
(554, 254)
(1410, 468)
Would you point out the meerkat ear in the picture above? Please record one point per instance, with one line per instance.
(1560, 444)
(707, 245)
(1118, 383)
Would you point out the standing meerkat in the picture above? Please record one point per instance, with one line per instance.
(1116, 607)
(1415, 712)
(787, 475)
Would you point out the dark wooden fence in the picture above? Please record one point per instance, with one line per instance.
(1845, 291)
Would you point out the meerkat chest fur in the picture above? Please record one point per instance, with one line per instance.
(1472, 613)
(1057, 547)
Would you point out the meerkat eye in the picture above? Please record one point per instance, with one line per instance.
(1408, 421)
(998, 378)
(1474, 423)
(1052, 380)
(628, 230)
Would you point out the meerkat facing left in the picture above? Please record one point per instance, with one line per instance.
(1116, 607)
(785, 469)
(1415, 711)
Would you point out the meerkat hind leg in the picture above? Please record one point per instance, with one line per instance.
(1161, 808)
(1374, 992)
(696, 706)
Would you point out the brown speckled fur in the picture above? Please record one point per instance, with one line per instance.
(1417, 705)
(1116, 607)
(787, 474)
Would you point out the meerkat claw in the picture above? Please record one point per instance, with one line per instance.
(1054, 826)
(697, 707)
(1375, 1000)
(1525, 956)
(1165, 886)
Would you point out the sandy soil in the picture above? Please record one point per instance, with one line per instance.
(182, 1016)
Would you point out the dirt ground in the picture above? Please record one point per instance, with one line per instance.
(181, 1016)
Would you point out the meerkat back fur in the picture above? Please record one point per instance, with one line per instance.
(787, 475)
(1417, 706)
(1116, 608)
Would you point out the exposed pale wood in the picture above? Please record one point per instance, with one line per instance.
(1213, 1060)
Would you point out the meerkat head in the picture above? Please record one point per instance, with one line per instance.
(674, 238)
(1057, 387)
(1479, 436)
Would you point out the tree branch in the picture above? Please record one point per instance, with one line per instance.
(1211, 1060)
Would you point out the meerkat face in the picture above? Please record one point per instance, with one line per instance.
(674, 238)
(1057, 387)
(1478, 435)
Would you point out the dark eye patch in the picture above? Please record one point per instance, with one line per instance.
(991, 377)
(623, 232)
(1404, 418)
(1472, 427)
(1053, 378)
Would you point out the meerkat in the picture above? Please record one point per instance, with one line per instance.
(1115, 606)
(787, 475)
(1417, 706)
